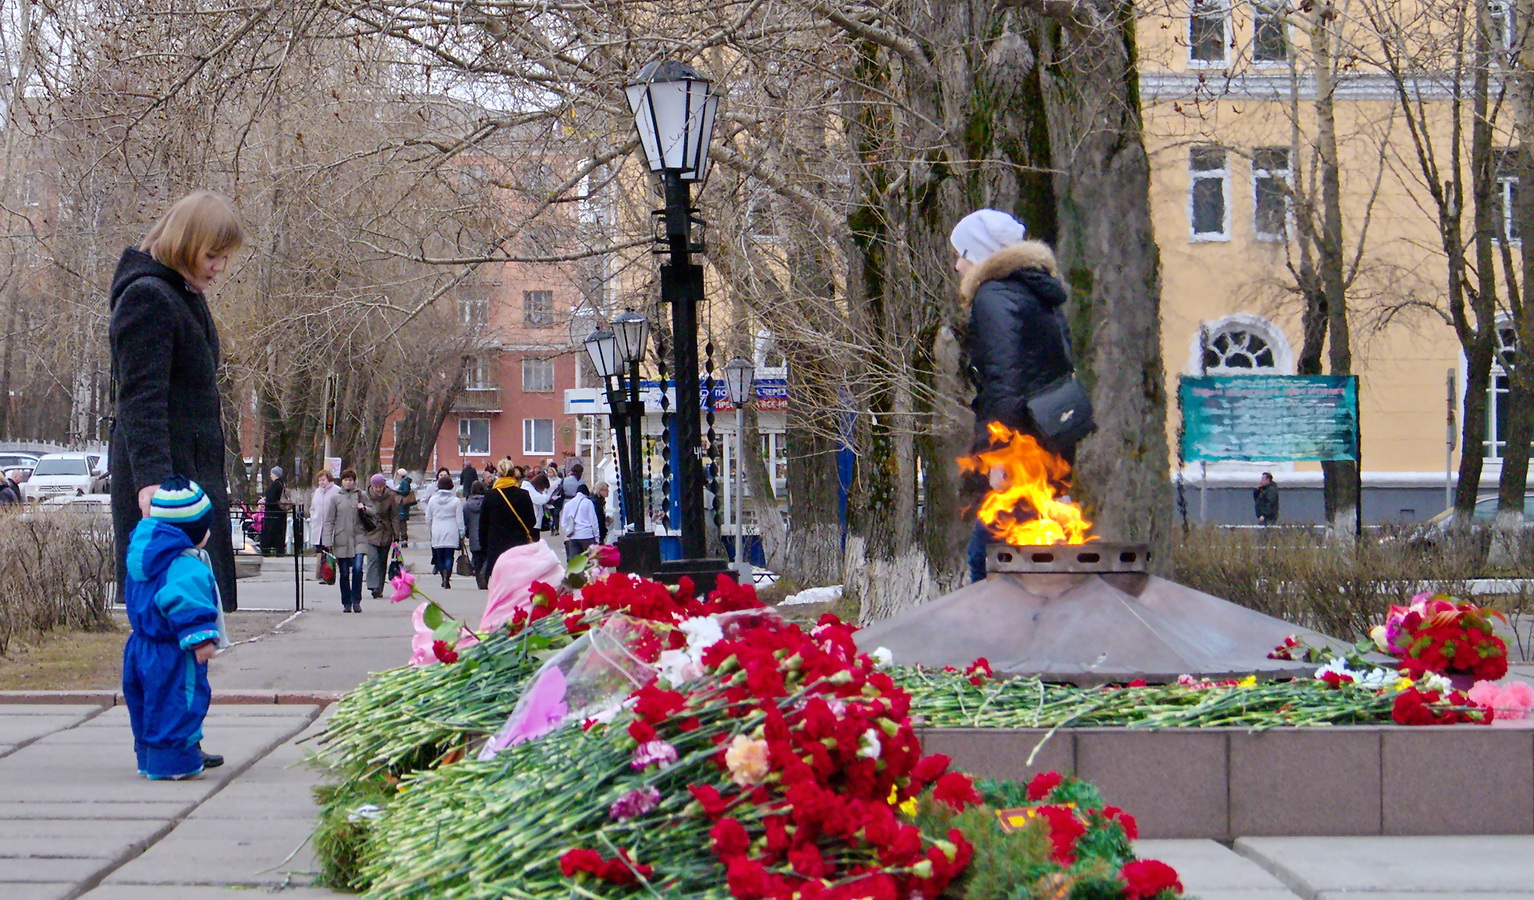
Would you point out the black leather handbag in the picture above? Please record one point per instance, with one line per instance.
(1062, 411)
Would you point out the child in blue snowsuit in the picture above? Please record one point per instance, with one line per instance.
(172, 601)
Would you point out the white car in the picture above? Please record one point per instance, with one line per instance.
(61, 475)
(15, 459)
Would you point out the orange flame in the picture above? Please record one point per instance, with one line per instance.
(1024, 510)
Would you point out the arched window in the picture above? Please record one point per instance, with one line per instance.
(1502, 366)
(1241, 345)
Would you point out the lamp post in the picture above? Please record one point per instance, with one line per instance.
(602, 346)
(674, 109)
(740, 383)
(632, 332)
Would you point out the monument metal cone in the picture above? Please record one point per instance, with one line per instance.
(1088, 614)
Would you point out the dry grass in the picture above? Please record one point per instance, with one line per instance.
(66, 661)
(1335, 585)
(56, 571)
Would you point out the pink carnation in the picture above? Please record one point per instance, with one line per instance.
(635, 803)
(1512, 701)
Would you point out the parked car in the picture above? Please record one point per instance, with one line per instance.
(11, 459)
(1437, 529)
(61, 474)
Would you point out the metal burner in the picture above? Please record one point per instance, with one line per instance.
(1095, 558)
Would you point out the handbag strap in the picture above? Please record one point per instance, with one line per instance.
(507, 500)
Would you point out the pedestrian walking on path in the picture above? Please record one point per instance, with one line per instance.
(444, 519)
(380, 512)
(274, 527)
(346, 538)
(172, 600)
(507, 518)
(404, 490)
(1265, 499)
(165, 363)
(579, 522)
(325, 491)
(473, 507)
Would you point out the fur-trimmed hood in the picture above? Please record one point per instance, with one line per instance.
(1009, 259)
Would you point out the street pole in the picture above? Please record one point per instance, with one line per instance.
(617, 413)
(636, 413)
(1450, 440)
(742, 563)
(681, 286)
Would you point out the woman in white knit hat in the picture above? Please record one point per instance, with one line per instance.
(1017, 335)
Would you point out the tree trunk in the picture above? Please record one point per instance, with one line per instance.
(1109, 257)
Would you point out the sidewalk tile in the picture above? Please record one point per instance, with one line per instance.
(1490, 865)
(83, 838)
(52, 871)
(12, 890)
(20, 729)
(1208, 868)
(249, 852)
(162, 809)
(48, 709)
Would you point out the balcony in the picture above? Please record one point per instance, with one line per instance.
(479, 400)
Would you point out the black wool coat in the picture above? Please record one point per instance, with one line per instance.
(505, 521)
(165, 358)
(1017, 336)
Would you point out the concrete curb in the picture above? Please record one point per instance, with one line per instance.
(112, 698)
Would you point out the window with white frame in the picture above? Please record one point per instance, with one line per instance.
(537, 376)
(538, 308)
(1207, 32)
(479, 374)
(477, 434)
(1207, 210)
(1270, 193)
(473, 310)
(1507, 196)
(537, 437)
(1504, 24)
(1502, 365)
(1243, 345)
(1270, 31)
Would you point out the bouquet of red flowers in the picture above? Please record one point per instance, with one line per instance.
(1442, 635)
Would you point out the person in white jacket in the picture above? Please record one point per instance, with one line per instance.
(579, 523)
(444, 518)
(538, 490)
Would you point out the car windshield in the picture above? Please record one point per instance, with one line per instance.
(61, 466)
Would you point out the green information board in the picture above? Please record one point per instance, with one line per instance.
(1268, 418)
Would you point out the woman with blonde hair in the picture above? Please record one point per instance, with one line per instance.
(165, 361)
(506, 520)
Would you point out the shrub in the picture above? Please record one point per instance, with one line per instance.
(56, 569)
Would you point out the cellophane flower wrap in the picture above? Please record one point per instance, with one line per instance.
(1439, 634)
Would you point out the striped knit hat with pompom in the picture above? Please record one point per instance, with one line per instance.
(180, 502)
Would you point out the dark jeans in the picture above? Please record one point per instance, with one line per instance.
(576, 546)
(442, 560)
(979, 539)
(349, 577)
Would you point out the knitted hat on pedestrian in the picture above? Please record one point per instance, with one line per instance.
(983, 232)
(277, 472)
(180, 502)
(378, 480)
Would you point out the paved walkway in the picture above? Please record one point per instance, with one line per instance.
(77, 821)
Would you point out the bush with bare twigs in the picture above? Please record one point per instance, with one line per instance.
(56, 571)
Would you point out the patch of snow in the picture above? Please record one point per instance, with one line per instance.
(814, 595)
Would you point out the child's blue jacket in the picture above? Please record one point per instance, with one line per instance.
(171, 597)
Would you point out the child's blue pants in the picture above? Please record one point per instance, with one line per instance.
(167, 694)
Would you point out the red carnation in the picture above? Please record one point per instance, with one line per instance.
(1146, 878)
(1042, 784)
(1064, 830)
(930, 767)
(443, 652)
(956, 790)
(1125, 820)
(581, 859)
(708, 797)
(729, 839)
(621, 870)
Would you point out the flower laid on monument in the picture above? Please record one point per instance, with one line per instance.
(1440, 634)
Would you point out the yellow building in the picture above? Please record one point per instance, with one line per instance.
(1229, 99)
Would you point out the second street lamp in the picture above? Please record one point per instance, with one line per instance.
(632, 331)
(740, 383)
(602, 346)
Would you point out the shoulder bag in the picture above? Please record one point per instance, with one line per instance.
(507, 500)
(1062, 411)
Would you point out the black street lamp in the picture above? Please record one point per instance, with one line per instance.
(674, 109)
(602, 347)
(632, 332)
(740, 383)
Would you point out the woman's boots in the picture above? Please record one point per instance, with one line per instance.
(447, 580)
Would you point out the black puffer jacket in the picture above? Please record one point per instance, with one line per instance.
(1016, 332)
(165, 357)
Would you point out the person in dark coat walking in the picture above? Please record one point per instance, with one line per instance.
(165, 361)
(506, 520)
(468, 476)
(274, 527)
(1017, 334)
(1265, 498)
(472, 508)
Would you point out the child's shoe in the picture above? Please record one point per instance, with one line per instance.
(185, 776)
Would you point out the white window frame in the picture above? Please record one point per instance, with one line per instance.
(544, 318)
(1277, 9)
(1283, 353)
(1505, 203)
(1504, 25)
(1490, 451)
(473, 310)
(1210, 9)
(479, 374)
(1194, 177)
(530, 447)
(541, 367)
(1283, 175)
(466, 427)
